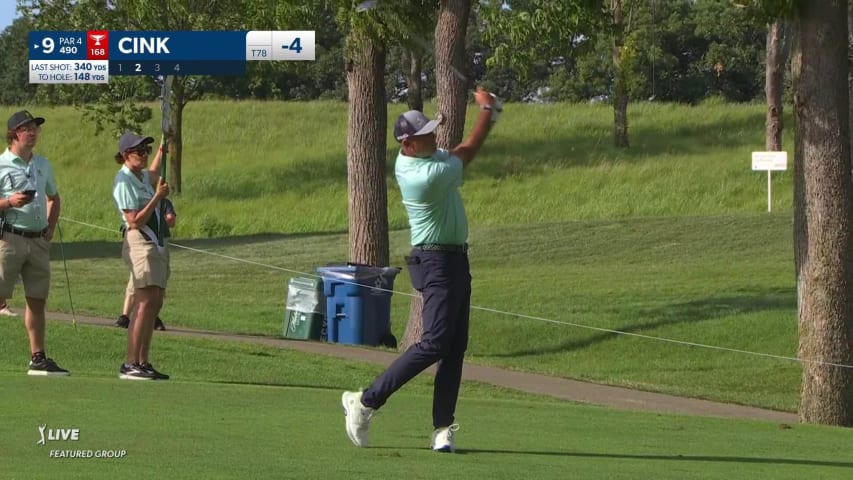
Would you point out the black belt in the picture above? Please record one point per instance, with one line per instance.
(24, 233)
(141, 232)
(124, 230)
(441, 247)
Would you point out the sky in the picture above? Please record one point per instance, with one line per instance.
(7, 13)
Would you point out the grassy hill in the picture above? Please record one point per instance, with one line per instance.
(254, 167)
(571, 238)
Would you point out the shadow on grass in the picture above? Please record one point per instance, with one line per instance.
(276, 385)
(680, 458)
(238, 240)
(687, 312)
(303, 178)
(296, 177)
(107, 249)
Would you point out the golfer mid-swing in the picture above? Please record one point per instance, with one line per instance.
(429, 180)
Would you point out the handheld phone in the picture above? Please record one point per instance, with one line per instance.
(29, 193)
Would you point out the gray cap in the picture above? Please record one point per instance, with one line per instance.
(131, 140)
(412, 124)
(19, 119)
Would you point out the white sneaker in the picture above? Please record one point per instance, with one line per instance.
(6, 311)
(357, 417)
(442, 439)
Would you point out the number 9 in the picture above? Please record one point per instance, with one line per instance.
(47, 45)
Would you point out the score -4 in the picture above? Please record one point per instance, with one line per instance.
(295, 45)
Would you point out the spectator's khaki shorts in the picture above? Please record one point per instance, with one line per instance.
(29, 258)
(149, 265)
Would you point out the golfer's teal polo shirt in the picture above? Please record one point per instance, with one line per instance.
(430, 189)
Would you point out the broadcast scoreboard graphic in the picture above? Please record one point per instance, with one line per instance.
(95, 55)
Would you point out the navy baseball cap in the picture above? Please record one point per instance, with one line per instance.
(131, 140)
(19, 119)
(412, 124)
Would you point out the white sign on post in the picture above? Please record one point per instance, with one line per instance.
(769, 161)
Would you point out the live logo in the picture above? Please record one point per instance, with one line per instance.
(97, 45)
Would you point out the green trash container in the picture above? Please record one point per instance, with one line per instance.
(305, 313)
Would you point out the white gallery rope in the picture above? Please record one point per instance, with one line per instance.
(500, 312)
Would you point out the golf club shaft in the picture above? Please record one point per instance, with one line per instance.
(67, 279)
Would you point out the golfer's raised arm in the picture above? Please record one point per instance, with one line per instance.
(467, 150)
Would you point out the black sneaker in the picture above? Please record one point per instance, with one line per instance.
(158, 324)
(42, 366)
(150, 369)
(134, 372)
(123, 321)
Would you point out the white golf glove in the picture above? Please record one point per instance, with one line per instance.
(495, 108)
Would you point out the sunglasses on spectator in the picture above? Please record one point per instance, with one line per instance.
(141, 151)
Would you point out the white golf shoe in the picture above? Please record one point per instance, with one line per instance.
(442, 439)
(357, 417)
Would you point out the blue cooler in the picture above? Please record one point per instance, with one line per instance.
(358, 304)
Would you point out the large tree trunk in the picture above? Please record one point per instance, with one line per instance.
(366, 134)
(850, 69)
(822, 212)
(620, 96)
(413, 63)
(452, 92)
(778, 42)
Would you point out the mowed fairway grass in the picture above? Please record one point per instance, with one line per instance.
(570, 240)
(242, 411)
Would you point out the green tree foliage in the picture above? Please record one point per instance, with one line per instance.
(14, 71)
(735, 51)
(678, 50)
(524, 33)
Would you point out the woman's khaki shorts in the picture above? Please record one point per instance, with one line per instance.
(149, 265)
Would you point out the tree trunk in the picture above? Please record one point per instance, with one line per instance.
(176, 143)
(366, 142)
(415, 324)
(413, 63)
(778, 42)
(452, 92)
(620, 96)
(850, 70)
(822, 212)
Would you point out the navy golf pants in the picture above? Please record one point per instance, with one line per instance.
(444, 280)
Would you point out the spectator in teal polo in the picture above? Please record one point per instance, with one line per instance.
(429, 180)
(138, 191)
(29, 205)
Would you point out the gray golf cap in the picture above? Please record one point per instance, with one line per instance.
(131, 140)
(19, 119)
(412, 124)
